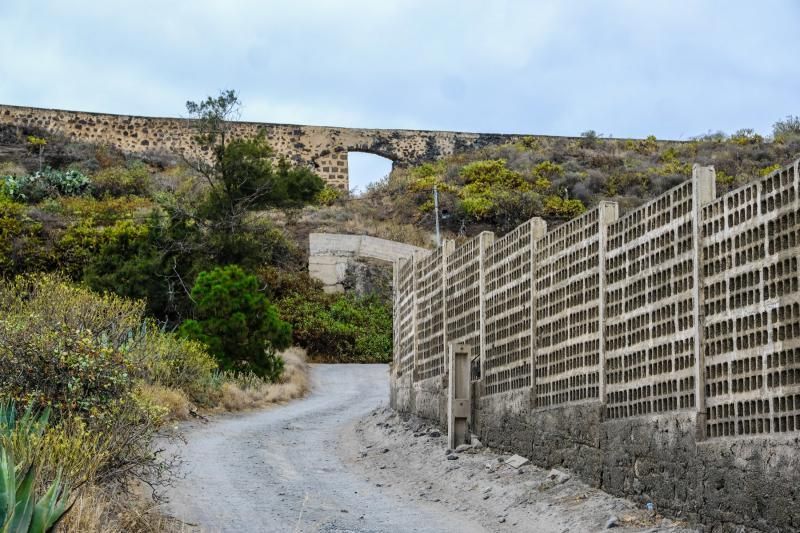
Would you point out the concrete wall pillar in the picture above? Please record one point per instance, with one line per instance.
(705, 182)
(538, 230)
(609, 212)
(448, 246)
(486, 240)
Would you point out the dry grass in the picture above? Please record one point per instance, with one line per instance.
(99, 510)
(12, 169)
(238, 396)
(174, 401)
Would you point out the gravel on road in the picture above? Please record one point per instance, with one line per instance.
(278, 470)
(339, 460)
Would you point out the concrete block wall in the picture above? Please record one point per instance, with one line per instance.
(464, 293)
(752, 308)
(510, 321)
(652, 305)
(430, 356)
(569, 297)
(656, 353)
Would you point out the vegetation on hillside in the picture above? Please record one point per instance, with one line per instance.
(236, 322)
(109, 378)
(157, 230)
(499, 187)
(134, 291)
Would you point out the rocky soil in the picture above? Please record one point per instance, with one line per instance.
(407, 459)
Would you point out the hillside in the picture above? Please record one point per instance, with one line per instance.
(497, 188)
(178, 295)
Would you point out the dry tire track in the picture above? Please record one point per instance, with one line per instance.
(278, 470)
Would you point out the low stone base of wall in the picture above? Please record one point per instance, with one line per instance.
(728, 484)
(568, 437)
(425, 399)
(430, 400)
(401, 394)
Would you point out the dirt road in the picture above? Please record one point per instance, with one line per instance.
(339, 461)
(279, 470)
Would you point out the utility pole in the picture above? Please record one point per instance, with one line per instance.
(436, 213)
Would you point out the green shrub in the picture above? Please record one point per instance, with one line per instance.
(20, 512)
(22, 244)
(328, 196)
(51, 303)
(11, 228)
(589, 139)
(301, 184)
(724, 179)
(486, 181)
(100, 212)
(646, 146)
(237, 323)
(548, 170)
(126, 261)
(128, 180)
(46, 183)
(168, 360)
(70, 350)
(766, 171)
(558, 207)
(73, 371)
(340, 328)
(746, 136)
(279, 283)
(491, 172)
(67, 448)
(77, 246)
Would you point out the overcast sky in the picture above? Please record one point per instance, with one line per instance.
(628, 68)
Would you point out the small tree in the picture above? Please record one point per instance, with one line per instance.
(240, 172)
(790, 126)
(237, 323)
(37, 144)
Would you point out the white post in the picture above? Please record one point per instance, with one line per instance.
(458, 396)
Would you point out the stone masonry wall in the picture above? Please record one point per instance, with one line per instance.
(324, 149)
(655, 353)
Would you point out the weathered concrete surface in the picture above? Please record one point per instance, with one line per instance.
(329, 255)
(729, 485)
(369, 277)
(567, 437)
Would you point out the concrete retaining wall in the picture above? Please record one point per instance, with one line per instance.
(656, 353)
(330, 253)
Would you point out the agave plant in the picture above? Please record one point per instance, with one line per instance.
(29, 424)
(19, 510)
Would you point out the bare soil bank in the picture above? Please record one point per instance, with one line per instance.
(407, 459)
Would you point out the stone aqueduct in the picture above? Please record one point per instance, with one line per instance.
(321, 148)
